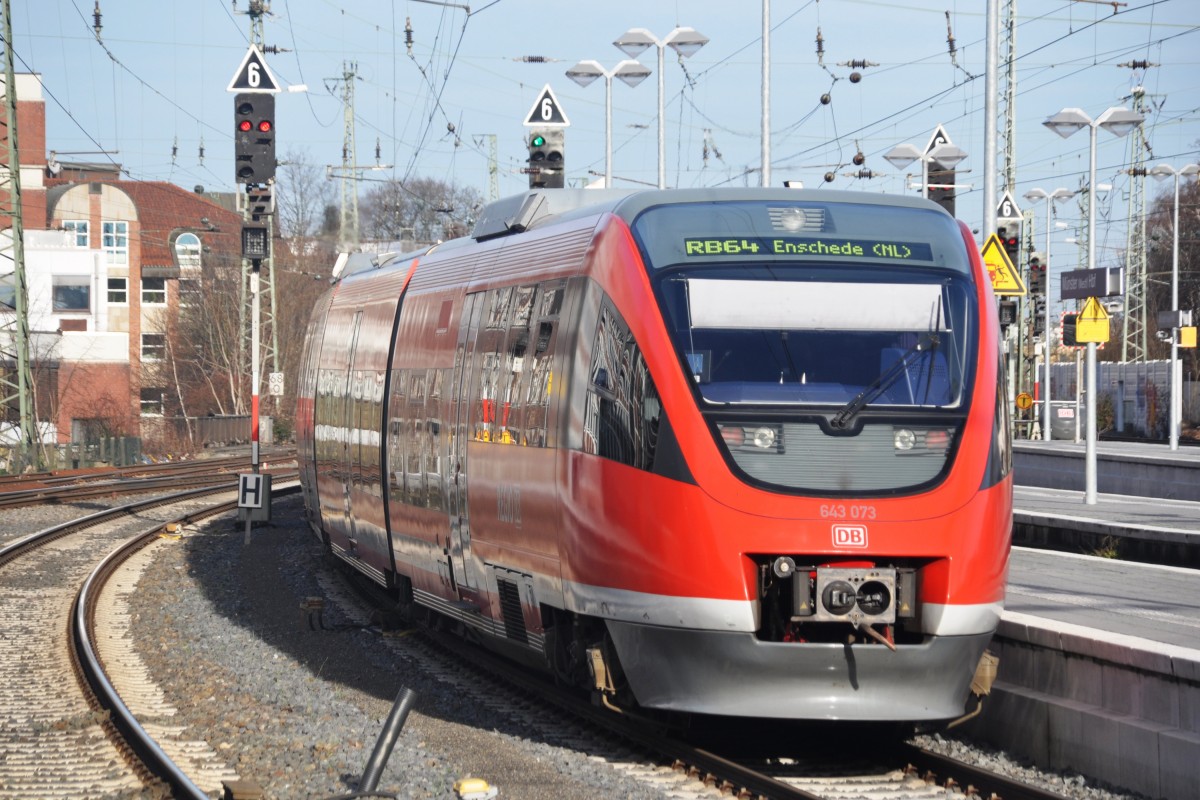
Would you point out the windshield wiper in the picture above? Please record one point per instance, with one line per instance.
(927, 343)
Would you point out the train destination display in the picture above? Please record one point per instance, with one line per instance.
(807, 246)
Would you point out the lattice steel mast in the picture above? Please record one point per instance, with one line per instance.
(1134, 337)
(17, 370)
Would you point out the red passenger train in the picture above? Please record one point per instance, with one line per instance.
(735, 452)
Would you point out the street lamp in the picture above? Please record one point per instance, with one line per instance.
(948, 155)
(685, 42)
(1119, 122)
(1033, 195)
(629, 71)
(1161, 172)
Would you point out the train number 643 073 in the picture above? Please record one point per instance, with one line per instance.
(851, 511)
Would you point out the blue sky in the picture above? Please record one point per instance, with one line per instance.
(159, 78)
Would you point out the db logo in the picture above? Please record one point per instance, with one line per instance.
(849, 535)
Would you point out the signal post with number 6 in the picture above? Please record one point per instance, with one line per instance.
(255, 88)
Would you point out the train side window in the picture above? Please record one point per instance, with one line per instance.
(498, 307)
(509, 405)
(551, 302)
(523, 306)
(433, 440)
(622, 410)
(485, 406)
(397, 435)
(538, 367)
(377, 409)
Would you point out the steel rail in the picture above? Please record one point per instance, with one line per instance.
(140, 742)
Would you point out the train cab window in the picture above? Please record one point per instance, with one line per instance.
(828, 343)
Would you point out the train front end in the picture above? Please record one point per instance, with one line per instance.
(833, 540)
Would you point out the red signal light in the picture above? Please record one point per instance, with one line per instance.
(244, 126)
(265, 126)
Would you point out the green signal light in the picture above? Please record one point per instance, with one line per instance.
(538, 141)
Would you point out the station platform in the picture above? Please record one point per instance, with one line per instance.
(1132, 468)
(1147, 505)
(1100, 656)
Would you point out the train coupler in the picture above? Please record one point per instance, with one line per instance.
(602, 678)
(981, 685)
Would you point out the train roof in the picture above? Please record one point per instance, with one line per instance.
(537, 207)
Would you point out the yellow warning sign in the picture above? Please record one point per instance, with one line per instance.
(1092, 325)
(1024, 401)
(1006, 278)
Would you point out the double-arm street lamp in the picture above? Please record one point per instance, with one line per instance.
(1119, 122)
(685, 42)
(1161, 172)
(948, 155)
(1033, 195)
(630, 72)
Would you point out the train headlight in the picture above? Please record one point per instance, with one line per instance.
(764, 438)
(937, 439)
(904, 439)
(752, 439)
(784, 567)
(734, 435)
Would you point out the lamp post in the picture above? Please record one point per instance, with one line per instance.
(948, 155)
(629, 71)
(1161, 172)
(685, 42)
(1119, 122)
(1033, 195)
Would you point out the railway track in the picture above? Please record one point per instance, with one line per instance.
(106, 746)
(81, 718)
(898, 771)
(71, 485)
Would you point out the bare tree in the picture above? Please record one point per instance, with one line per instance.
(1160, 227)
(302, 194)
(421, 210)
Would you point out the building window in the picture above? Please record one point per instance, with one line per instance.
(118, 291)
(116, 242)
(154, 291)
(71, 293)
(152, 402)
(189, 292)
(187, 251)
(79, 227)
(8, 293)
(154, 346)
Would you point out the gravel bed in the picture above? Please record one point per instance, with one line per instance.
(297, 711)
(16, 523)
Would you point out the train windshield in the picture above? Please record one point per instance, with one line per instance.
(845, 326)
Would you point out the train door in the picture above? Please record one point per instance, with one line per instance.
(351, 432)
(459, 555)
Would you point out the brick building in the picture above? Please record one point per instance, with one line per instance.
(108, 262)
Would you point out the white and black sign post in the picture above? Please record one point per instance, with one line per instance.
(255, 154)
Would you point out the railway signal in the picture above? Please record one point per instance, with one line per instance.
(1010, 239)
(1037, 273)
(546, 158)
(254, 137)
(1069, 327)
